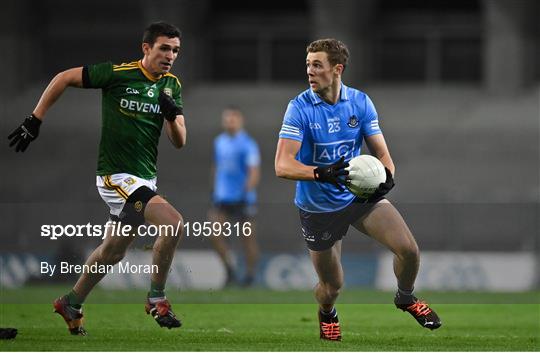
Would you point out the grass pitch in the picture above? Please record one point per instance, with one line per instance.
(219, 322)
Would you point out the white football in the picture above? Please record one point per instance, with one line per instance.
(366, 173)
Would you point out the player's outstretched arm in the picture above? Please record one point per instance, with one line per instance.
(28, 131)
(57, 86)
(287, 166)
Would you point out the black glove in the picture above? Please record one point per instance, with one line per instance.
(24, 134)
(332, 173)
(8, 333)
(385, 187)
(168, 107)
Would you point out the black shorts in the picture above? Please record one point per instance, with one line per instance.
(322, 230)
(236, 211)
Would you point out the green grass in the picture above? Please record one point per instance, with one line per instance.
(269, 327)
(45, 294)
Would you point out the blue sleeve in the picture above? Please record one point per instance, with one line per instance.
(215, 150)
(253, 157)
(292, 127)
(370, 120)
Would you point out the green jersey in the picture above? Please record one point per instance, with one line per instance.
(131, 118)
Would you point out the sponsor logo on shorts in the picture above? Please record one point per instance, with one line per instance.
(326, 235)
(307, 237)
(138, 206)
(129, 181)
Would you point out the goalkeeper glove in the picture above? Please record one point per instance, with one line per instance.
(332, 173)
(27, 132)
(385, 187)
(168, 107)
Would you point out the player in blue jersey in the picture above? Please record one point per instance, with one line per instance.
(323, 128)
(236, 173)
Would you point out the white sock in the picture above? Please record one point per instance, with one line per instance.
(156, 299)
(332, 313)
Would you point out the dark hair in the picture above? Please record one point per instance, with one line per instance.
(158, 29)
(338, 53)
(233, 107)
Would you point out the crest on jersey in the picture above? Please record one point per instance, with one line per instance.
(138, 206)
(353, 121)
(168, 91)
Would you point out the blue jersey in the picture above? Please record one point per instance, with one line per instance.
(328, 132)
(233, 156)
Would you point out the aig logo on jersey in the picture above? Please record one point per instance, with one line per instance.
(328, 153)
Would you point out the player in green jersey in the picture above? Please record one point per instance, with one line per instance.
(138, 98)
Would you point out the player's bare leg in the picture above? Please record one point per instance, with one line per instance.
(110, 252)
(221, 247)
(327, 264)
(251, 249)
(385, 224)
(159, 212)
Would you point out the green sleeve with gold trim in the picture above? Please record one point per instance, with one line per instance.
(179, 101)
(177, 94)
(98, 75)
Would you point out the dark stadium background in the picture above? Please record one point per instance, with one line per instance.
(456, 85)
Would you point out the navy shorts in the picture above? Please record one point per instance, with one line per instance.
(236, 211)
(322, 230)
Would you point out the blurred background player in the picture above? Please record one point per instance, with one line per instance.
(138, 99)
(235, 174)
(323, 128)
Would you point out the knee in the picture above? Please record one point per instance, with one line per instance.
(173, 228)
(332, 288)
(178, 221)
(409, 252)
(174, 218)
(112, 256)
